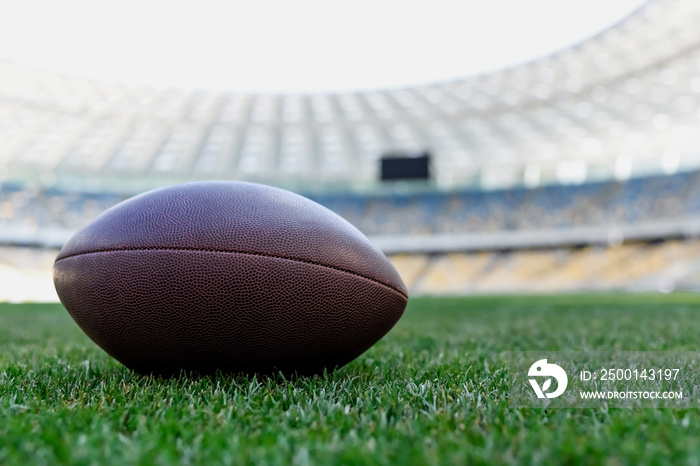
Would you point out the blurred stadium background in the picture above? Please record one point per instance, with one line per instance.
(576, 171)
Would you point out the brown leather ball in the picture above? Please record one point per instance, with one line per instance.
(227, 276)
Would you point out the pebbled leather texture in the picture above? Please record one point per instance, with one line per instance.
(227, 276)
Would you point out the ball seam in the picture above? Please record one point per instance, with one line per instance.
(260, 254)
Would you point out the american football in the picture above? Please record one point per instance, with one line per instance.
(227, 276)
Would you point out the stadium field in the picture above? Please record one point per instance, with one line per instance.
(433, 391)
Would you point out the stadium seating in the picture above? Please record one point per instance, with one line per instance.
(661, 266)
(563, 206)
(622, 103)
(25, 209)
(603, 134)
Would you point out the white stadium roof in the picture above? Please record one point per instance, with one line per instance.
(623, 103)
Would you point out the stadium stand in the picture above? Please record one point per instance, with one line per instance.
(665, 266)
(655, 198)
(619, 264)
(623, 103)
(579, 170)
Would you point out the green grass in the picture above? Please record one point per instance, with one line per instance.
(433, 391)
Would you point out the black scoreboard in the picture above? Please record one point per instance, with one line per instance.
(405, 166)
